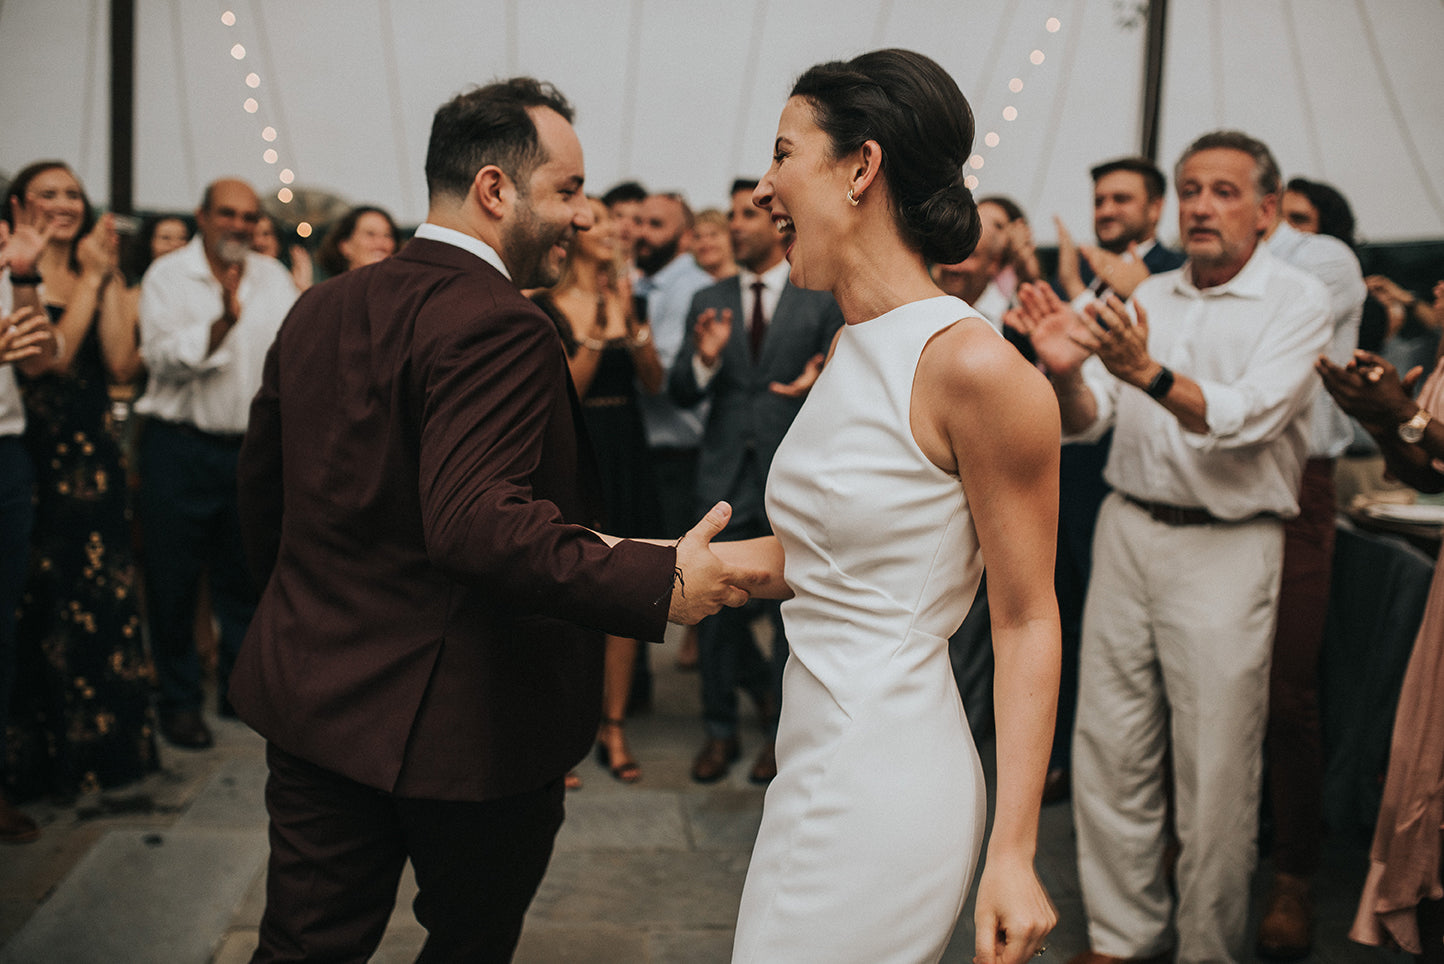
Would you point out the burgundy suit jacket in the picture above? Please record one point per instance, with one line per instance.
(413, 490)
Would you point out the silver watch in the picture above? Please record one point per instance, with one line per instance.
(1413, 430)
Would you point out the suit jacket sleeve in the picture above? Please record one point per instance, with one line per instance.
(491, 389)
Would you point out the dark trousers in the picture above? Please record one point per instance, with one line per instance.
(338, 849)
(1293, 744)
(191, 526)
(728, 657)
(17, 517)
(1081, 494)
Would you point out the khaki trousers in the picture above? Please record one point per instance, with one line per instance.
(1177, 634)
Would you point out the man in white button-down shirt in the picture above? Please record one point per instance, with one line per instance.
(208, 313)
(1208, 393)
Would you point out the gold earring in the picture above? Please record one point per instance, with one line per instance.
(854, 201)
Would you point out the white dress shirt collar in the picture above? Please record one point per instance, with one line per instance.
(466, 242)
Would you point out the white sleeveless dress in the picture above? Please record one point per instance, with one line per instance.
(871, 831)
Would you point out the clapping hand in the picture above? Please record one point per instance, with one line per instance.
(1119, 273)
(704, 583)
(1051, 325)
(99, 251)
(1369, 389)
(21, 246)
(24, 334)
(803, 383)
(712, 332)
(1119, 341)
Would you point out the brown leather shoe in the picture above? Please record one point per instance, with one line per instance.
(187, 730)
(1284, 932)
(765, 767)
(15, 826)
(714, 759)
(1093, 957)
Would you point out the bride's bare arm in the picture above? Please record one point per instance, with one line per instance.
(981, 411)
(758, 555)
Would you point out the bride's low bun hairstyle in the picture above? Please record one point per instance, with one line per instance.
(915, 112)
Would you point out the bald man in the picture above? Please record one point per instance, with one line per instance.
(208, 313)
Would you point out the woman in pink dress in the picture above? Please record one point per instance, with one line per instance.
(1401, 903)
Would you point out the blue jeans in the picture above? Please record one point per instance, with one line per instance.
(191, 525)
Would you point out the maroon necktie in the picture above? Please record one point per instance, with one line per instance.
(758, 326)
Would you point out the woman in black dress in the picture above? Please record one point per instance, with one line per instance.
(610, 353)
(81, 719)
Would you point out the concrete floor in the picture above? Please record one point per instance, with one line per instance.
(171, 870)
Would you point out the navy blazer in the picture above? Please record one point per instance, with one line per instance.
(412, 494)
(746, 416)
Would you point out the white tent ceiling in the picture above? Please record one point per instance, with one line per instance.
(684, 94)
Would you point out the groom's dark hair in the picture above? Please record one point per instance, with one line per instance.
(489, 125)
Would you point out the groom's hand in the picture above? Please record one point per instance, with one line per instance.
(705, 583)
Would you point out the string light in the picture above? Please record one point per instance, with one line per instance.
(1009, 112)
(303, 229)
(268, 133)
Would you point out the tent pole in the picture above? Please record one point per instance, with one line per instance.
(1153, 78)
(122, 105)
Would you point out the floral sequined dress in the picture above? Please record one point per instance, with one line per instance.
(81, 718)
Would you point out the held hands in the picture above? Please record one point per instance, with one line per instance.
(1014, 914)
(712, 332)
(705, 583)
(1369, 389)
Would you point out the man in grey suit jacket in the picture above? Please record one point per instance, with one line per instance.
(754, 347)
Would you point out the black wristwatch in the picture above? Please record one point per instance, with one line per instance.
(1161, 384)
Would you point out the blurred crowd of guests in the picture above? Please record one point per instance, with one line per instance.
(690, 352)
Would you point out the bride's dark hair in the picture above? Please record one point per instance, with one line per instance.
(916, 113)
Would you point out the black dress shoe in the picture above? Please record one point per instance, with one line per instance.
(714, 759)
(1057, 785)
(186, 730)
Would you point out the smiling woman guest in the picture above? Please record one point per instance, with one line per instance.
(363, 235)
(926, 443)
(81, 717)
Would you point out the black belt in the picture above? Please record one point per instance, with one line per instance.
(220, 438)
(1187, 515)
(1175, 515)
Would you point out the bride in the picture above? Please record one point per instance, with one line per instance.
(926, 446)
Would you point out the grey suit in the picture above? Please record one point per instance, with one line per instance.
(743, 429)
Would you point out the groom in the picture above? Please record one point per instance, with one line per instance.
(425, 662)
